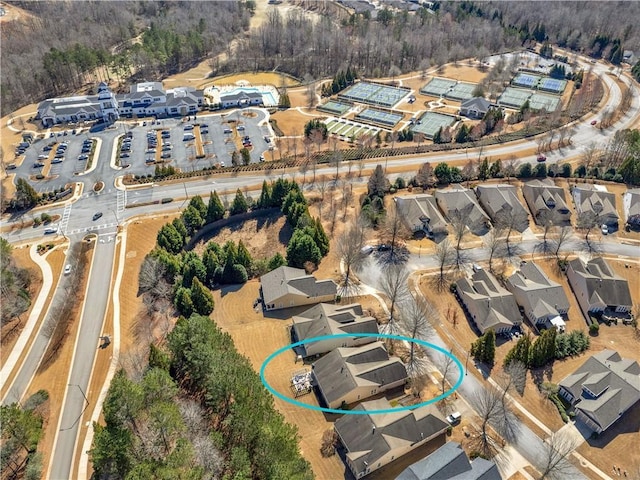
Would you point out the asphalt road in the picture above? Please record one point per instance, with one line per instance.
(77, 220)
(87, 344)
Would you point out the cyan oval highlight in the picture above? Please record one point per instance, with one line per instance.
(361, 412)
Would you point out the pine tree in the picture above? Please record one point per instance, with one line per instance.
(320, 237)
(201, 297)
(265, 196)
(183, 302)
(239, 204)
(215, 209)
(197, 203)
(489, 346)
(243, 257)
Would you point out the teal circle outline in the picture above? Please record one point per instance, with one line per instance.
(361, 412)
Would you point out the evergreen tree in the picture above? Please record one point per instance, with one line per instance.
(437, 137)
(169, 239)
(193, 267)
(265, 196)
(243, 257)
(378, 184)
(201, 298)
(215, 209)
(158, 358)
(239, 204)
(489, 348)
(197, 203)
(183, 302)
(181, 229)
(281, 188)
(192, 220)
(26, 195)
(276, 261)
(320, 237)
(483, 170)
(520, 351)
(302, 248)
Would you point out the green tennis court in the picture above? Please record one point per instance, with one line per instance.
(552, 85)
(374, 94)
(379, 117)
(461, 91)
(437, 87)
(335, 107)
(539, 101)
(431, 122)
(513, 97)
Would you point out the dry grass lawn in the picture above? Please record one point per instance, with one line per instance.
(292, 122)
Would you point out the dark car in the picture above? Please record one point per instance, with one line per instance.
(96, 216)
(383, 247)
(125, 155)
(541, 158)
(38, 165)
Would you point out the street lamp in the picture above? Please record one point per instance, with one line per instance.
(466, 370)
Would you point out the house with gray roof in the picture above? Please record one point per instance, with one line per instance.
(598, 287)
(349, 375)
(461, 202)
(240, 99)
(542, 299)
(502, 204)
(631, 208)
(475, 107)
(450, 462)
(488, 303)
(373, 441)
(602, 389)
(420, 213)
(546, 202)
(287, 287)
(328, 319)
(596, 200)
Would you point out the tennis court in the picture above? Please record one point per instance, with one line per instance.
(553, 85)
(437, 87)
(347, 129)
(526, 80)
(461, 91)
(538, 101)
(335, 107)
(378, 117)
(430, 123)
(374, 94)
(513, 97)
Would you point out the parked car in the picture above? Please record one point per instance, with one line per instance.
(11, 166)
(240, 128)
(83, 157)
(604, 229)
(51, 230)
(125, 155)
(38, 165)
(188, 127)
(43, 157)
(366, 250)
(594, 122)
(454, 418)
(227, 130)
(57, 160)
(96, 216)
(67, 269)
(165, 155)
(541, 158)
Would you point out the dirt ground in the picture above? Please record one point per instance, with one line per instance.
(51, 379)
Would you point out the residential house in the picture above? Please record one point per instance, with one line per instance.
(287, 287)
(450, 462)
(501, 202)
(597, 201)
(327, 319)
(542, 300)
(631, 207)
(420, 213)
(475, 107)
(489, 305)
(598, 287)
(460, 202)
(602, 389)
(373, 441)
(546, 202)
(348, 375)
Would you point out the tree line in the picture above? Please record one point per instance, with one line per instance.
(199, 411)
(14, 294)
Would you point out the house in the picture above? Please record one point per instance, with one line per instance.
(420, 213)
(143, 99)
(602, 389)
(372, 441)
(631, 207)
(597, 201)
(460, 202)
(240, 99)
(597, 287)
(475, 107)
(327, 319)
(501, 202)
(541, 299)
(348, 375)
(450, 462)
(287, 287)
(489, 305)
(546, 202)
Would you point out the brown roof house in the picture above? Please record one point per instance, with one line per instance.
(461, 202)
(546, 202)
(287, 287)
(597, 201)
(597, 287)
(489, 305)
(631, 207)
(542, 299)
(502, 204)
(348, 375)
(420, 213)
(450, 462)
(373, 441)
(602, 389)
(329, 319)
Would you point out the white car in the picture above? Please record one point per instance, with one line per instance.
(366, 250)
(67, 270)
(604, 229)
(454, 418)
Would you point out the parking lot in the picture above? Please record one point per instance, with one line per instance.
(126, 148)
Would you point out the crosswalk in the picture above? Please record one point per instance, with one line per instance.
(121, 200)
(92, 228)
(64, 222)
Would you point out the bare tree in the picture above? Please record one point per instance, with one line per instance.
(547, 220)
(496, 245)
(349, 251)
(447, 368)
(458, 220)
(562, 236)
(394, 286)
(445, 254)
(510, 220)
(494, 410)
(586, 222)
(590, 156)
(514, 376)
(416, 317)
(394, 232)
(556, 450)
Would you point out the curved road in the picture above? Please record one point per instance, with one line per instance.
(77, 221)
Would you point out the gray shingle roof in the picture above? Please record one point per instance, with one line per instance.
(421, 209)
(368, 438)
(544, 195)
(602, 282)
(499, 200)
(613, 380)
(535, 291)
(588, 198)
(326, 319)
(462, 200)
(341, 370)
(450, 462)
(491, 305)
(476, 103)
(284, 280)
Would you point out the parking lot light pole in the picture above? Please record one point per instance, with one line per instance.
(466, 363)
